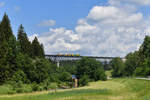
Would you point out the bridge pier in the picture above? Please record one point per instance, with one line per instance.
(58, 63)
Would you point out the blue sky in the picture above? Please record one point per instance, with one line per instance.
(31, 12)
(87, 27)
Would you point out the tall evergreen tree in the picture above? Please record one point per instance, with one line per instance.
(37, 48)
(24, 43)
(6, 31)
(8, 50)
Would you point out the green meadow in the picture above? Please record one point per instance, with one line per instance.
(114, 89)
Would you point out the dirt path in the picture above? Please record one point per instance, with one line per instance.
(142, 78)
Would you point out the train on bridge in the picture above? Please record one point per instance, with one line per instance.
(74, 57)
(60, 54)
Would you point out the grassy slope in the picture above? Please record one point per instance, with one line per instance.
(115, 89)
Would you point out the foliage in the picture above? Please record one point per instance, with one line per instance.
(23, 88)
(8, 50)
(54, 86)
(68, 67)
(106, 66)
(138, 63)
(37, 48)
(118, 67)
(39, 71)
(6, 31)
(100, 75)
(89, 67)
(24, 43)
(19, 76)
(144, 69)
(65, 76)
(115, 89)
(144, 51)
(84, 80)
(131, 63)
(37, 87)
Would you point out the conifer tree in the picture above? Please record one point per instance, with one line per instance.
(37, 48)
(42, 50)
(24, 43)
(8, 50)
(6, 31)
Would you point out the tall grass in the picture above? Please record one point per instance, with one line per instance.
(115, 89)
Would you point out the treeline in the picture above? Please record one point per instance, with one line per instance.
(16, 53)
(136, 64)
(23, 67)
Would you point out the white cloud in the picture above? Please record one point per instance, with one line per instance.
(59, 40)
(47, 23)
(135, 2)
(110, 30)
(31, 38)
(2, 4)
(113, 15)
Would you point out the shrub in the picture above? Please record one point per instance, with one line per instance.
(20, 76)
(83, 80)
(53, 86)
(65, 76)
(6, 89)
(118, 67)
(37, 87)
(11, 92)
(54, 77)
(19, 87)
(143, 72)
(24, 89)
(99, 75)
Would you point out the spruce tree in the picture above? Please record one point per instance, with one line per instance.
(6, 31)
(42, 50)
(8, 50)
(24, 43)
(37, 48)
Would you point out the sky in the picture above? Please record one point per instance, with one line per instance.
(85, 27)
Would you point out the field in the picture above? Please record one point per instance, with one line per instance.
(114, 89)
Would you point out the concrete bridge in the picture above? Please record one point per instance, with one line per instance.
(58, 58)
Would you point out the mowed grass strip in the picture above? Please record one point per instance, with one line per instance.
(59, 95)
(115, 89)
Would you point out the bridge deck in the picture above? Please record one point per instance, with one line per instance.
(96, 57)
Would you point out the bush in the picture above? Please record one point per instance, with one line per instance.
(100, 75)
(11, 92)
(83, 80)
(37, 87)
(65, 77)
(20, 76)
(40, 70)
(118, 67)
(6, 89)
(24, 89)
(46, 84)
(53, 86)
(19, 87)
(143, 72)
(54, 77)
